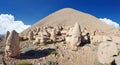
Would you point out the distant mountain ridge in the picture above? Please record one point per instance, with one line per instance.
(1, 36)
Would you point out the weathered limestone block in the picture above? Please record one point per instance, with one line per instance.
(106, 52)
(12, 47)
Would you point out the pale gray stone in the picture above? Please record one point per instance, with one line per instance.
(106, 52)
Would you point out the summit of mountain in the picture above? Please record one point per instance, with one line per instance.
(68, 17)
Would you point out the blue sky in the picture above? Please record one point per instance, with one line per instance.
(30, 11)
(20, 14)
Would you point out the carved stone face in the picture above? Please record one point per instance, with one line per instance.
(12, 47)
(75, 40)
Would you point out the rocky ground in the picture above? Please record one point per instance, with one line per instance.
(58, 52)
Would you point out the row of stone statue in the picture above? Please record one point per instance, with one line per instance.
(42, 35)
(72, 36)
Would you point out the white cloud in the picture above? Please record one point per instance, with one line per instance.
(110, 22)
(8, 23)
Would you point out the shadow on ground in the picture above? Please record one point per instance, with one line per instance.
(33, 54)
